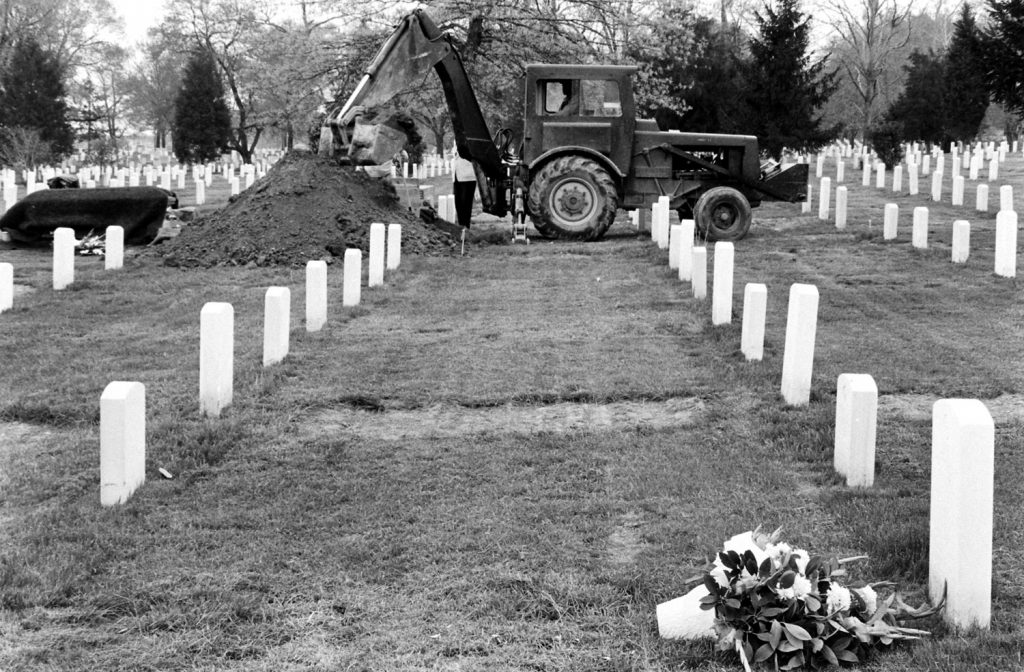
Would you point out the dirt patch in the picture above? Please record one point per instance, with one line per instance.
(449, 421)
(1006, 408)
(305, 208)
(625, 542)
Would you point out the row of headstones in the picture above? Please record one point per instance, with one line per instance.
(1006, 225)
(122, 404)
(962, 429)
(423, 171)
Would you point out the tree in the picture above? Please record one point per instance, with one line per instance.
(787, 90)
(152, 85)
(870, 33)
(1002, 61)
(967, 96)
(921, 108)
(32, 97)
(202, 124)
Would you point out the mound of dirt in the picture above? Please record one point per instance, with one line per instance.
(305, 208)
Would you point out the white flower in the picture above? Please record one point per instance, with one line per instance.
(801, 586)
(870, 598)
(838, 598)
(778, 553)
(801, 559)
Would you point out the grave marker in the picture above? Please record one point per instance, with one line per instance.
(958, 190)
(700, 272)
(63, 257)
(960, 528)
(376, 262)
(936, 186)
(113, 254)
(6, 286)
(798, 357)
(721, 296)
(675, 245)
(912, 185)
(961, 241)
(316, 295)
(122, 441)
(216, 357)
(890, 221)
(919, 236)
(755, 306)
(981, 200)
(825, 191)
(880, 176)
(856, 421)
(840, 207)
(276, 324)
(1006, 244)
(897, 178)
(352, 277)
(394, 252)
(687, 230)
(1006, 197)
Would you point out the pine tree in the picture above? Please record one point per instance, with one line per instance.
(1002, 61)
(966, 93)
(787, 90)
(32, 96)
(921, 108)
(202, 123)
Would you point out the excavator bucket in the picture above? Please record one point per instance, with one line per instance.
(374, 144)
(406, 58)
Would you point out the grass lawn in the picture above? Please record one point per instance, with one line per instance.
(502, 461)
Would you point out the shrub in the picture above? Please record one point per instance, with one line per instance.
(886, 138)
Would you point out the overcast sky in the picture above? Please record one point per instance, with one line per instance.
(138, 15)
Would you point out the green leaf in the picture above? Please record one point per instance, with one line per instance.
(765, 570)
(763, 636)
(764, 653)
(748, 650)
(772, 612)
(787, 579)
(776, 634)
(794, 662)
(733, 602)
(789, 645)
(709, 599)
(750, 563)
(847, 656)
(797, 631)
(711, 584)
(812, 603)
(830, 655)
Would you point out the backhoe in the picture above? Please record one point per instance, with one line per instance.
(583, 154)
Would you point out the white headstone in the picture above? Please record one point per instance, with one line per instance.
(993, 170)
(675, 245)
(216, 357)
(865, 178)
(1006, 197)
(925, 161)
(200, 192)
(700, 272)
(6, 286)
(912, 186)
(960, 528)
(805, 206)
(688, 228)
(276, 324)
(352, 277)
(113, 255)
(394, 253)
(840, 207)
(378, 233)
(316, 295)
(880, 176)
(1006, 244)
(825, 192)
(981, 200)
(798, 357)
(961, 241)
(897, 178)
(890, 221)
(958, 190)
(122, 441)
(755, 307)
(856, 420)
(820, 165)
(937, 186)
(840, 171)
(721, 296)
(919, 235)
(63, 257)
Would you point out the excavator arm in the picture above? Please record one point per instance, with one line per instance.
(416, 46)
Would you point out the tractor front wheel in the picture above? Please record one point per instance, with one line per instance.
(572, 197)
(722, 213)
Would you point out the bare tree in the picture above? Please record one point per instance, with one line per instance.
(869, 33)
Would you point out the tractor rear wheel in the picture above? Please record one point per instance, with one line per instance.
(572, 197)
(722, 213)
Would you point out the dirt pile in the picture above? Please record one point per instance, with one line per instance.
(305, 208)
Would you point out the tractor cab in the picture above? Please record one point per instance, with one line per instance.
(580, 109)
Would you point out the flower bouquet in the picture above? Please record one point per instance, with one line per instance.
(777, 605)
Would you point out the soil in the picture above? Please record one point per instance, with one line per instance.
(305, 208)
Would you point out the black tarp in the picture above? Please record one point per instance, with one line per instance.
(138, 210)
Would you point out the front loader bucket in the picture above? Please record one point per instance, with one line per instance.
(788, 185)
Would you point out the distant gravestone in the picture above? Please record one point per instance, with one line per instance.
(721, 297)
(840, 207)
(897, 178)
(675, 245)
(113, 256)
(825, 192)
(63, 257)
(880, 176)
(6, 286)
(351, 281)
(276, 324)
(394, 251)
(1006, 197)
(1006, 244)
(840, 171)
(912, 186)
(937, 186)
(122, 441)
(958, 190)
(378, 234)
(700, 272)
(981, 199)
(890, 221)
(755, 306)
(687, 229)
(216, 357)
(961, 241)
(805, 206)
(960, 528)
(316, 295)
(856, 422)
(919, 235)
(798, 357)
